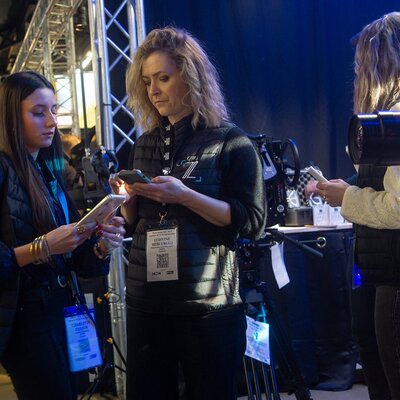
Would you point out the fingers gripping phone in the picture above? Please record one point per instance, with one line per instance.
(133, 176)
(316, 175)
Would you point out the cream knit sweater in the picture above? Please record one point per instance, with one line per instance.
(368, 207)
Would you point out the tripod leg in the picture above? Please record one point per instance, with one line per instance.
(96, 382)
(299, 386)
(255, 378)
(267, 384)
(247, 374)
(274, 383)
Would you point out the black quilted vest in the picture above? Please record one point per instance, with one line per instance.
(377, 250)
(208, 274)
(15, 214)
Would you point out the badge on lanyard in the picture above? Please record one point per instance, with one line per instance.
(82, 343)
(162, 251)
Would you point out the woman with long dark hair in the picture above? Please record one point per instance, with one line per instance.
(41, 246)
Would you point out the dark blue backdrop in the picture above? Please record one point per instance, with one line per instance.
(286, 66)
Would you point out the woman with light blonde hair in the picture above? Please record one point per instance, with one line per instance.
(374, 206)
(377, 65)
(182, 286)
(204, 95)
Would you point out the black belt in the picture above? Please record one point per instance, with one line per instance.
(56, 281)
(36, 290)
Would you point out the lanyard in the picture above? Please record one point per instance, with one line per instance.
(59, 193)
(167, 167)
(168, 148)
(63, 201)
(168, 159)
(55, 191)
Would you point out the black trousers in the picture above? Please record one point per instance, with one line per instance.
(209, 348)
(36, 357)
(363, 324)
(387, 328)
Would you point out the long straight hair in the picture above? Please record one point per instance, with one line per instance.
(13, 90)
(377, 65)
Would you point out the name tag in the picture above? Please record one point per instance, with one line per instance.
(162, 252)
(82, 343)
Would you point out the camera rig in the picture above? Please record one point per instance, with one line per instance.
(281, 169)
(93, 165)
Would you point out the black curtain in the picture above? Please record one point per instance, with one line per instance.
(286, 66)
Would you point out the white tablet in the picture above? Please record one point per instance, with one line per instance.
(104, 210)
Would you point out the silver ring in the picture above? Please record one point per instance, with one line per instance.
(118, 235)
(81, 228)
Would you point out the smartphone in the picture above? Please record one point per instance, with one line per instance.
(316, 175)
(104, 210)
(133, 176)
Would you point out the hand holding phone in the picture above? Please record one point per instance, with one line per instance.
(316, 175)
(104, 210)
(133, 176)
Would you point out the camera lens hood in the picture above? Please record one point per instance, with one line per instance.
(375, 138)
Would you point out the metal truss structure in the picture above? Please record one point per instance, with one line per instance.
(49, 47)
(116, 29)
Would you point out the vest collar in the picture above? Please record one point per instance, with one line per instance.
(183, 124)
(181, 128)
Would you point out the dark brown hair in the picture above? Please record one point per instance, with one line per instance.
(13, 90)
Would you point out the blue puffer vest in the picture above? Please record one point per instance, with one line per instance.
(377, 250)
(208, 274)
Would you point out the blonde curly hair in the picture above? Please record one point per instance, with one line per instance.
(204, 96)
(377, 65)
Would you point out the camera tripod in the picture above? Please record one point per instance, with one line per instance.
(107, 366)
(109, 344)
(297, 385)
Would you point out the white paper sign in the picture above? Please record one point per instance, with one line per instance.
(335, 217)
(278, 265)
(321, 215)
(257, 335)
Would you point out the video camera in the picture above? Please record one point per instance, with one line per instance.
(375, 138)
(93, 165)
(281, 169)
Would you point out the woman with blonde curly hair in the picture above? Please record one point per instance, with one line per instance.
(182, 287)
(203, 95)
(374, 206)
